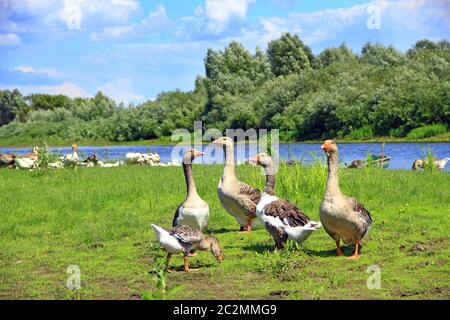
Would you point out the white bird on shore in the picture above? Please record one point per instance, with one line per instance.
(71, 158)
(25, 163)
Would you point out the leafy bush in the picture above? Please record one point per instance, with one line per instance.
(397, 132)
(426, 131)
(363, 133)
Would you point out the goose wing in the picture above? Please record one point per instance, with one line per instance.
(176, 216)
(248, 197)
(359, 209)
(186, 234)
(288, 213)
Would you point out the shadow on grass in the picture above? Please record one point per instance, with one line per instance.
(262, 248)
(346, 251)
(221, 230)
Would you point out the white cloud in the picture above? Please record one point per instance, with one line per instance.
(157, 21)
(74, 14)
(218, 13)
(67, 88)
(215, 17)
(10, 40)
(418, 17)
(121, 90)
(46, 71)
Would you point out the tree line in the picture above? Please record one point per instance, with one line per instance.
(337, 93)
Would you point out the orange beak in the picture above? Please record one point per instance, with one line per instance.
(217, 141)
(325, 146)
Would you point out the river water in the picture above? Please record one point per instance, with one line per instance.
(402, 154)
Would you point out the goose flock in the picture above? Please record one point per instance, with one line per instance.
(343, 218)
(30, 161)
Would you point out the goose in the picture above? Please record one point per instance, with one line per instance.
(92, 160)
(25, 163)
(194, 211)
(341, 216)
(33, 154)
(7, 160)
(183, 239)
(71, 158)
(56, 165)
(438, 163)
(282, 219)
(133, 157)
(110, 165)
(237, 198)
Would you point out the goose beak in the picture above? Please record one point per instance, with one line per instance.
(217, 141)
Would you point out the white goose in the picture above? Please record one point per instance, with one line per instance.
(25, 163)
(194, 211)
(183, 239)
(438, 163)
(71, 158)
(282, 219)
(238, 198)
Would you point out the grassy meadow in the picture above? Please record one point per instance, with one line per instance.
(98, 219)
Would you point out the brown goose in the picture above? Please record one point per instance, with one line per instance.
(342, 217)
(193, 211)
(282, 219)
(7, 160)
(183, 239)
(33, 154)
(238, 198)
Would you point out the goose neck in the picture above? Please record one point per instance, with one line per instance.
(229, 161)
(269, 186)
(332, 188)
(190, 182)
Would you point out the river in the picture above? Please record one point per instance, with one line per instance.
(402, 154)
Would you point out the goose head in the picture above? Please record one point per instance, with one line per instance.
(224, 141)
(35, 150)
(262, 159)
(417, 164)
(212, 243)
(329, 147)
(74, 147)
(190, 155)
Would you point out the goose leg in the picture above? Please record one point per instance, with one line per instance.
(169, 255)
(249, 224)
(186, 262)
(338, 248)
(355, 255)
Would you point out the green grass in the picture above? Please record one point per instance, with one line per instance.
(427, 132)
(363, 133)
(99, 219)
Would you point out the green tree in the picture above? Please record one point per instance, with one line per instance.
(289, 55)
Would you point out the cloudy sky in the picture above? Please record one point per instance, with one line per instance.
(131, 49)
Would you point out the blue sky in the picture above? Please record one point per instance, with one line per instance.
(132, 50)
